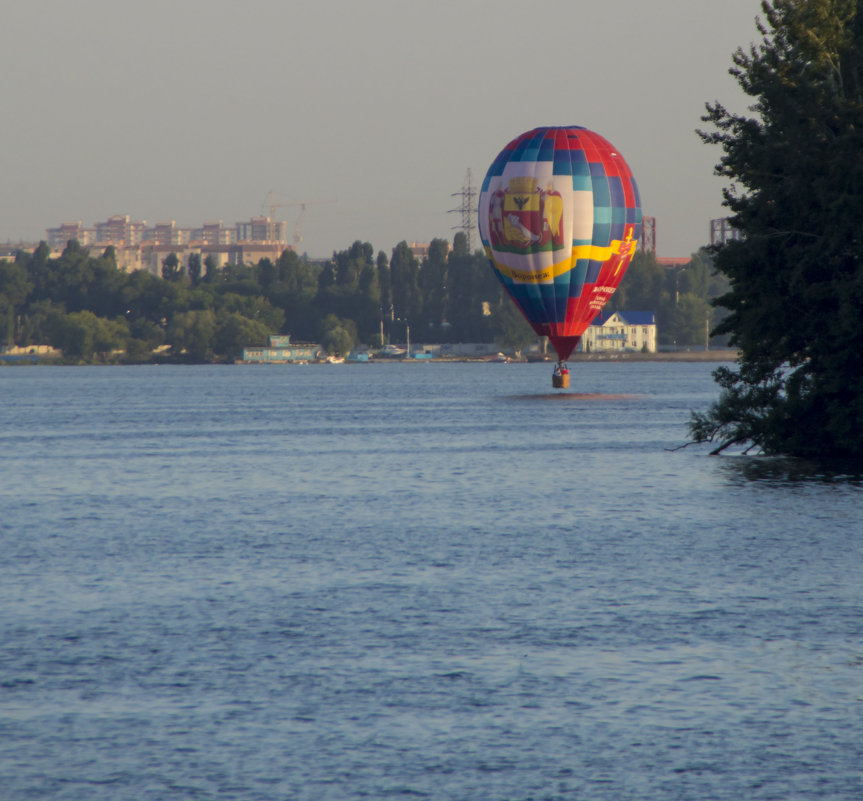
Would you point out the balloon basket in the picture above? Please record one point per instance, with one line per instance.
(560, 380)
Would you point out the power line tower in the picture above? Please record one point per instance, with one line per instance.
(467, 209)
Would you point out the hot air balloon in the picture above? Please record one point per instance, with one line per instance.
(560, 217)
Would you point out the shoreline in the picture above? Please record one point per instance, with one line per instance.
(719, 355)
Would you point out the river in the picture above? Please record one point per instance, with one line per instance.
(439, 581)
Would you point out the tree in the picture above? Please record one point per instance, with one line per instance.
(511, 329)
(82, 334)
(194, 268)
(433, 284)
(795, 278)
(338, 336)
(13, 293)
(171, 270)
(404, 278)
(192, 333)
(473, 292)
(210, 268)
(235, 332)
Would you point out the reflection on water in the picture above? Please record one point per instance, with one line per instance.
(575, 397)
(783, 471)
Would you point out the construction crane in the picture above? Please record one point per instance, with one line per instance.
(273, 205)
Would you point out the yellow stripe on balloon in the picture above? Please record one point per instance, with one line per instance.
(589, 252)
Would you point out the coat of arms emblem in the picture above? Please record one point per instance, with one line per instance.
(525, 218)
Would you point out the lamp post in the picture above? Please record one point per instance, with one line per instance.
(407, 333)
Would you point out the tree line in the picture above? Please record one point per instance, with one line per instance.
(92, 311)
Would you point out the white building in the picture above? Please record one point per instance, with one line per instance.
(621, 331)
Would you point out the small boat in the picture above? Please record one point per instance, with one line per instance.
(392, 352)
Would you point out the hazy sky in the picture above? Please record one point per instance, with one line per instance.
(194, 110)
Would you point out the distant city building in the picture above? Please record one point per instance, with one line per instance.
(670, 262)
(262, 229)
(142, 247)
(120, 230)
(215, 233)
(647, 240)
(420, 250)
(167, 233)
(621, 331)
(58, 237)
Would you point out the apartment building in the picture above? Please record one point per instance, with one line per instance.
(139, 246)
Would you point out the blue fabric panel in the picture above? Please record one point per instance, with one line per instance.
(517, 153)
(528, 150)
(561, 295)
(560, 303)
(530, 299)
(577, 276)
(593, 269)
(601, 214)
(579, 162)
(562, 163)
(546, 149)
(602, 234)
(496, 168)
(601, 195)
(617, 231)
(548, 302)
(615, 189)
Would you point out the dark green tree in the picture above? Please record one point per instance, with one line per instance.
(511, 329)
(338, 336)
(433, 284)
(404, 278)
(473, 293)
(83, 335)
(382, 266)
(211, 268)
(235, 332)
(191, 334)
(171, 269)
(13, 292)
(796, 195)
(194, 268)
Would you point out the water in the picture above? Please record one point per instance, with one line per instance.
(433, 581)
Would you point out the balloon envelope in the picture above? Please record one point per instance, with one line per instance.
(560, 217)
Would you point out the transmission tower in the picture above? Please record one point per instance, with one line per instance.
(467, 209)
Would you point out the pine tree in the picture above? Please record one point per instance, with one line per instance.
(796, 195)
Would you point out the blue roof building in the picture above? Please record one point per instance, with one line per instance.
(621, 331)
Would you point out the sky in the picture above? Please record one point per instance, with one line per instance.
(371, 113)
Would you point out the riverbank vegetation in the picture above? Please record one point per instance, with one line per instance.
(85, 306)
(796, 278)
